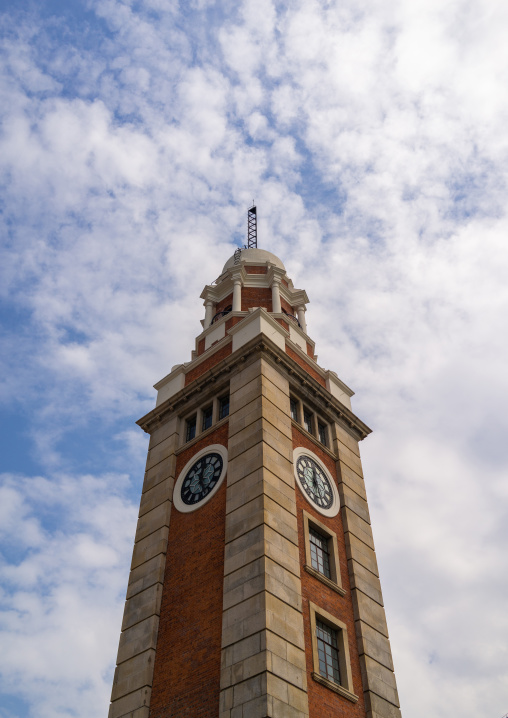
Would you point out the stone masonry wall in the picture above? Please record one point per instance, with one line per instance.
(263, 657)
(380, 689)
(324, 703)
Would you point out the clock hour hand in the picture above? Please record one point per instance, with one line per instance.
(317, 482)
(205, 475)
(196, 483)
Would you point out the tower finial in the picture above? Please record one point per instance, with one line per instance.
(252, 227)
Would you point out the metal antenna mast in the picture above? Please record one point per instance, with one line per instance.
(252, 228)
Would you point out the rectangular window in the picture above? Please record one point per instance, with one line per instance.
(207, 417)
(307, 420)
(319, 553)
(223, 407)
(190, 432)
(293, 404)
(328, 653)
(322, 433)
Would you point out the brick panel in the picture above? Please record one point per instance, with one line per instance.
(256, 297)
(286, 306)
(301, 362)
(187, 664)
(220, 306)
(283, 324)
(256, 270)
(217, 356)
(232, 321)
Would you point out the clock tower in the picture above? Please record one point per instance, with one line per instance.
(254, 589)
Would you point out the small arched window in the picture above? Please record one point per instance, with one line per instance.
(291, 316)
(222, 313)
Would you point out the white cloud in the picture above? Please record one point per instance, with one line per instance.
(64, 569)
(373, 137)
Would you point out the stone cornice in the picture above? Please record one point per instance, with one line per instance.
(217, 292)
(259, 346)
(297, 297)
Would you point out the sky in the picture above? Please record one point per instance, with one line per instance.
(133, 138)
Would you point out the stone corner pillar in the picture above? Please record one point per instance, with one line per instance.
(208, 313)
(237, 294)
(132, 683)
(301, 317)
(378, 678)
(276, 305)
(263, 656)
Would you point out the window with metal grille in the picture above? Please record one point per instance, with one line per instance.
(223, 407)
(322, 433)
(319, 553)
(207, 417)
(328, 652)
(293, 404)
(307, 420)
(190, 432)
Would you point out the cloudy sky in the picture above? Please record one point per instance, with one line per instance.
(373, 136)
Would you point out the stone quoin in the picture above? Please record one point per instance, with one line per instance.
(254, 589)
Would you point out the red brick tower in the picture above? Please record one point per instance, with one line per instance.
(254, 587)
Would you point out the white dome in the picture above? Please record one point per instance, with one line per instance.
(260, 256)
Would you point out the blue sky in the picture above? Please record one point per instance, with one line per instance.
(372, 136)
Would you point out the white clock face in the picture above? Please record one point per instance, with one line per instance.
(315, 482)
(200, 478)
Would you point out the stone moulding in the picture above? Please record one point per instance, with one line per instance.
(334, 687)
(331, 584)
(260, 345)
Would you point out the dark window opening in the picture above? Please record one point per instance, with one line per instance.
(207, 417)
(223, 407)
(322, 433)
(291, 316)
(319, 553)
(191, 428)
(328, 652)
(223, 313)
(307, 420)
(293, 404)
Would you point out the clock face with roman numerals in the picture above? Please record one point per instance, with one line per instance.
(201, 478)
(314, 482)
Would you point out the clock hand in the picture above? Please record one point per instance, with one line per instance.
(197, 480)
(318, 483)
(207, 475)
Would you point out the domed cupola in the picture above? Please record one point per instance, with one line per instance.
(252, 279)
